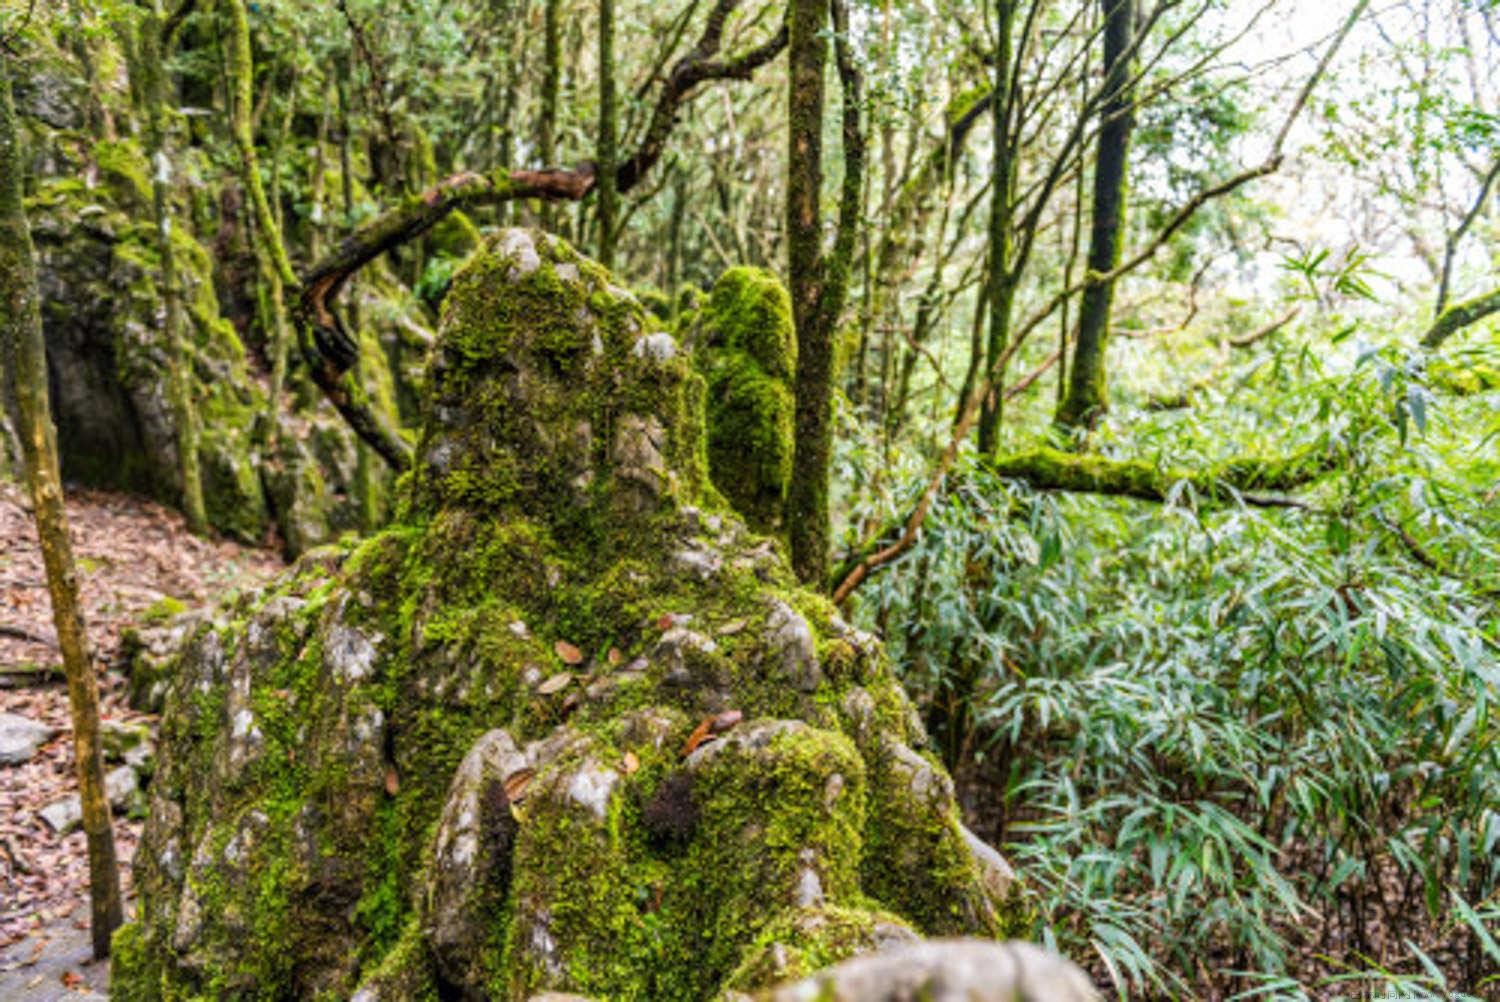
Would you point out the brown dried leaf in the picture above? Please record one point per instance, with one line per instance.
(630, 763)
(515, 785)
(392, 781)
(703, 732)
(615, 656)
(569, 654)
(557, 683)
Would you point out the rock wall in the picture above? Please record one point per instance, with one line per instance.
(90, 210)
(567, 725)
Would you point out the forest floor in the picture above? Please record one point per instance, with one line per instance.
(132, 554)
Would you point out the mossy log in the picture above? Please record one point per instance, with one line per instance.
(565, 726)
(1460, 315)
(1243, 478)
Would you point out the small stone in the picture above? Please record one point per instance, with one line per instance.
(791, 638)
(557, 683)
(121, 737)
(658, 347)
(62, 816)
(999, 878)
(20, 737)
(516, 244)
(591, 787)
(702, 564)
(809, 889)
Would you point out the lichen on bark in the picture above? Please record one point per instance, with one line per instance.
(566, 725)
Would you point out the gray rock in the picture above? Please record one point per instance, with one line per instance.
(792, 644)
(121, 738)
(955, 970)
(62, 816)
(999, 878)
(470, 863)
(20, 737)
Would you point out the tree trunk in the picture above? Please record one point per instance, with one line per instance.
(21, 327)
(179, 365)
(609, 194)
(551, 86)
(275, 267)
(1088, 393)
(807, 501)
(1001, 283)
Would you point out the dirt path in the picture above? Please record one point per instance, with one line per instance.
(133, 555)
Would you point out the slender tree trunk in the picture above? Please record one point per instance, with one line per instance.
(275, 268)
(21, 333)
(674, 236)
(1088, 389)
(1001, 282)
(609, 195)
(179, 365)
(551, 87)
(807, 501)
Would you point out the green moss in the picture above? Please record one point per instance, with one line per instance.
(123, 167)
(748, 359)
(135, 973)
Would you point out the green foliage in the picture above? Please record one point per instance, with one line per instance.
(1219, 733)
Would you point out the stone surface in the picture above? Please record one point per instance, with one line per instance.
(98, 273)
(20, 737)
(946, 971)
(120, 786)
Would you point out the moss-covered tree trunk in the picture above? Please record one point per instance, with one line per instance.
(1088, 391)
(270, 251)
(153, 86)
(807, 501)
(21, 333)
(1001, 283)
(546, 127)
(609, 193)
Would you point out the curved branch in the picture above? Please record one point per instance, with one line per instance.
(329, 349)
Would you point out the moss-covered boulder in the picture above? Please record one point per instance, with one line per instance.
(567, 725)
(745, 344)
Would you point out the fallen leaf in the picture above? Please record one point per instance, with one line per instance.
(703, 732)
(515, 786)
(557, 683)
(615, 656)
(630, 763)
(570, 654)
(71, 978)
(732, 627)
(392, 781)
(665, 622)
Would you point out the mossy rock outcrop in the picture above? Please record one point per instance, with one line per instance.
(745, 344)
(98, 272)
(566, 726)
